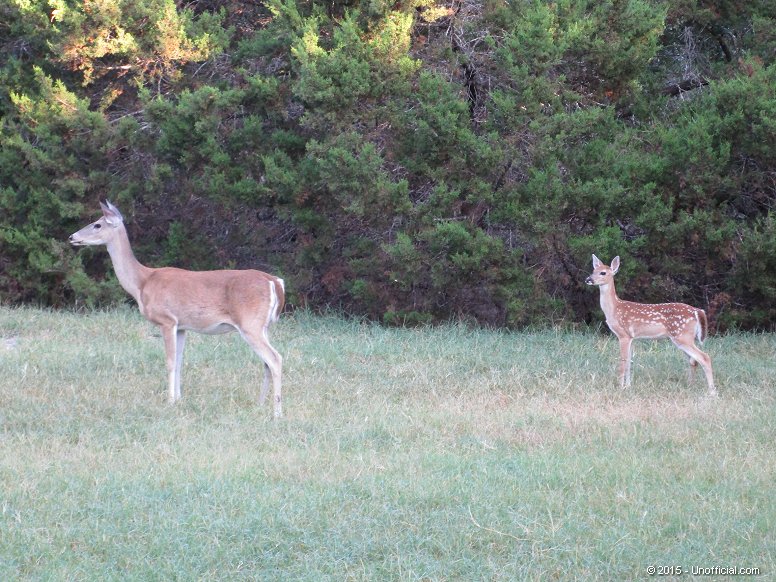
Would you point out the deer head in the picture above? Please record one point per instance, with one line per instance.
(603, 274)
(102, 231)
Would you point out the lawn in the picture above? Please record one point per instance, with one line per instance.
(445, 453)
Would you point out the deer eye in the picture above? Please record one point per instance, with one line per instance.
(602, 273)
(98, 226)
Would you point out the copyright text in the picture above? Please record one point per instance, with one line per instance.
(702, 571)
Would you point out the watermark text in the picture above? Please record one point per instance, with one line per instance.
(702, 571)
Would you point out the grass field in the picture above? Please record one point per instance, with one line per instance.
(404, 454)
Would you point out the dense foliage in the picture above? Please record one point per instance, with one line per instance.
(407, 161)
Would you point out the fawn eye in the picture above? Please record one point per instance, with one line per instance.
(97, 225)
(602, 273)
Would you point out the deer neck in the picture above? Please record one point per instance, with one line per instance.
(609, 300)
(130, 273)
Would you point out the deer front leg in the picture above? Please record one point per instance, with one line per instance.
(170, 335)
(625, 360)
(180, 343)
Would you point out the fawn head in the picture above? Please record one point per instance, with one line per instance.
(603, 274)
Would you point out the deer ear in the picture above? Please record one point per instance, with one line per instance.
(596, 262)
(615, 265)
(111, 213)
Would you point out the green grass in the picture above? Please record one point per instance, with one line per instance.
(404, 454)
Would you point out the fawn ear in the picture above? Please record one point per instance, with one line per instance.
(596, 262)
(615, 265)
(111, 213)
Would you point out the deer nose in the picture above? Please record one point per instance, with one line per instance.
(589, 280)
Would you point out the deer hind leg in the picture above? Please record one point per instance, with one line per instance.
(264, 385)
(273, 365)
(697, 357)
(691, 371)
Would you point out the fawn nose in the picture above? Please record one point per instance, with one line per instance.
(589, 280)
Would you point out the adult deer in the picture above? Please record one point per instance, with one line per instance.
(210, 302)
(680, 323)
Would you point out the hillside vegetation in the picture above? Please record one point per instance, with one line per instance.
(407, 161)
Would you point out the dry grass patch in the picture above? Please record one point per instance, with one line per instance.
(443, 454)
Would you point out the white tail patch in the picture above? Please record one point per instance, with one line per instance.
(698, 328)
(272, 313)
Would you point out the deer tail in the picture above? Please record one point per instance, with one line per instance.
(702, 327)
(277, 298)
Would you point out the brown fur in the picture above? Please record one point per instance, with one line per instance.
(208, 302)
(629, 321)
